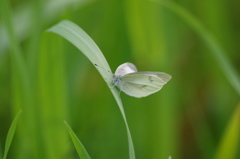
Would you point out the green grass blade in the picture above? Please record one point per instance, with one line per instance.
(148, 38)
(23, 96)
(11, 134)
(228, 147)
(13, 43)
(82, 152)
(84, 43)
(218, 53)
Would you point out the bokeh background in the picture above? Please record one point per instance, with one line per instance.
(188, 119)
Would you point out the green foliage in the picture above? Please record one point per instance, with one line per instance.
(193, 116)
(1, 156)
(77, 143)
(216, 50)
(10, 134)
(229, 145)
(84, 43)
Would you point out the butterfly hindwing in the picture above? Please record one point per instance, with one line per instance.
(137, 90)
(141, 84)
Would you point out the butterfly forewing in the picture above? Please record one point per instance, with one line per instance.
(163, 77)
(147, 78)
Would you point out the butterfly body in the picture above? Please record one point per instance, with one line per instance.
(138, 84)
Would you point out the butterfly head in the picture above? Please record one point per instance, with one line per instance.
(116, 79)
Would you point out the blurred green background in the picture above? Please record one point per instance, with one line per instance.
(51, 81)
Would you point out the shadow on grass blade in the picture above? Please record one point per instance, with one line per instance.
(82, 152)
(77, 36)
(11, 134)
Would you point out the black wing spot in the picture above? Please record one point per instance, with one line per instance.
(144, 86)
(151, 79)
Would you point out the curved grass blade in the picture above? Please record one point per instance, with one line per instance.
(87, 46)
(218, 53)
(228, 147)
(82, 152)
(11, 134)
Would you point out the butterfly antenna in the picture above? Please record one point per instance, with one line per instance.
(107, 71)
(103, 68)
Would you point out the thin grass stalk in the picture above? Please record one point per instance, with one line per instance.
(229, 144)
(84, 43)
(82, 152)
(52, 96)
(218, 53)
(21, 80)
(10, 134)
(145, 31)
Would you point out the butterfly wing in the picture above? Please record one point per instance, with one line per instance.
(125, 68)
(142, 84)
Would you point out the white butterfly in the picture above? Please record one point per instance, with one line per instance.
(138, 84)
